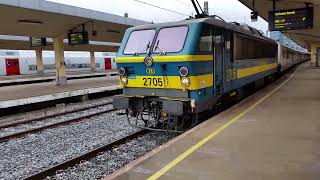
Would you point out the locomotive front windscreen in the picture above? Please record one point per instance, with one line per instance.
(171, 39)
(139, 41)
(168, 40)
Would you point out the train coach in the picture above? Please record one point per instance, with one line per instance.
(172, 72)
(12, 63)
(288, 57)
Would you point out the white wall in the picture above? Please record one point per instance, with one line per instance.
(25, 62)
(28, 58)
(3, 71)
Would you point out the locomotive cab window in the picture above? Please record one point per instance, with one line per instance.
(170, 39)
(205, 42)
(139, 41)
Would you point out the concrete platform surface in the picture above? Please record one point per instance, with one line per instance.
(30, 93)
(52, 76)
(274, 134)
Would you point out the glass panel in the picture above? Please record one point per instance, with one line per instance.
(171, 39)
(32, 67)
(247, 48)
(205, 44)
(10, 53)
(139, 41)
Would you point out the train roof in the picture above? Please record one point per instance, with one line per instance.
(292, 49)
(233, 26)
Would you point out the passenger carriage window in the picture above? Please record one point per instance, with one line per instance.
(170, 39)
(32, 67)
(139, 41)
(249, 48)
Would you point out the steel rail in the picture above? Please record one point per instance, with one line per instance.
(38, 129)
(88, 155)
(7, 125)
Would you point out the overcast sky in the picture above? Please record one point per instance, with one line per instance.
(230, 10)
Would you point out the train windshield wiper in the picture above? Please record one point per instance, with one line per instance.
(147, 50)
(162, 52)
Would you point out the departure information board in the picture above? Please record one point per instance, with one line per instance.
(75, 38)
(291, 19)
(36, 42)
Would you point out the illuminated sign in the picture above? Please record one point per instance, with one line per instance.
(36, 42)
(291, 19)
(75, 38)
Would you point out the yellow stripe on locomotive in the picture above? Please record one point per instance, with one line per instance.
(245, 72)
(177, 58)
(170, 82)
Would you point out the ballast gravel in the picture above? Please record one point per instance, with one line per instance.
(27, 155)
(112, 160)
(48, 121)
(60, 108)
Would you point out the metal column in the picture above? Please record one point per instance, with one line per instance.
(318, 58)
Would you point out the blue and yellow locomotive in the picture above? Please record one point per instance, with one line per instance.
(171, 72)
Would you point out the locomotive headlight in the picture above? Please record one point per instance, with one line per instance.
(122, 71)
(183, 71)
(185, 82)
(124, 80)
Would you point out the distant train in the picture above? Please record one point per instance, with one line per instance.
(12, 63)
(172, 72)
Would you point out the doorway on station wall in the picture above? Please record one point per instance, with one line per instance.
(107, 63)
(12, 67)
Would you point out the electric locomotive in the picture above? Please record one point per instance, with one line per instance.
(172, 72)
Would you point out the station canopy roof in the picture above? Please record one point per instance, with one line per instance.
(23, 43)
(304, 37)
(39, 18)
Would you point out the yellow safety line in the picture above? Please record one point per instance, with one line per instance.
(213, 134)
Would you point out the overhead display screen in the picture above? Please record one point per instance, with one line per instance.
(75, 38)
(36, 42)
(291, 19)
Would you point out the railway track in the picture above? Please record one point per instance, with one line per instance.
(16, 123)
(72, 162)
(52, 125)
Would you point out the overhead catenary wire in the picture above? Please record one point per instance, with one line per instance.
(181, 2)
(169, 10)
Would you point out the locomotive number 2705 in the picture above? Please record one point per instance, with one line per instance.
(153, 81)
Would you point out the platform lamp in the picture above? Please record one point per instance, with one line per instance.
(93, 31)
(254, 13)
(126, 15)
